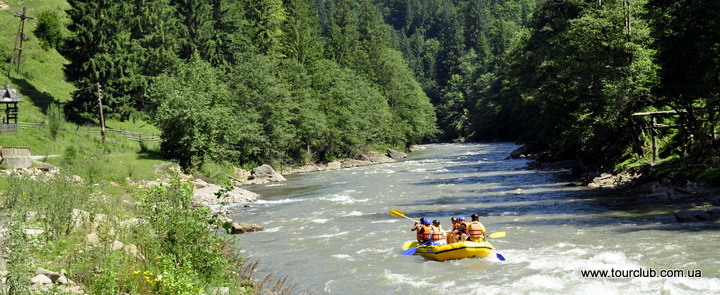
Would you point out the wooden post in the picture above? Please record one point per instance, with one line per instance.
(654, 138)
(102, 118)
(18, 40)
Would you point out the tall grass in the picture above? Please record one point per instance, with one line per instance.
(180, 249)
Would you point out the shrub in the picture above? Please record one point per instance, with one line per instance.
(184, 247)
(55, 120)
(49, 29)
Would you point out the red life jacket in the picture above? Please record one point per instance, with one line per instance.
(423, 233)
(475, 230)
(437, 234)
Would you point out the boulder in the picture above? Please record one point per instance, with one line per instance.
(92, 239)
(714, 212)
(54, 276)
(380, 159)
(396, 154)
(241, 227)
(132, 249)
(220, 290)
(519, 152)
(206, 196)
(116, 245)
(33, 232)
(199, 183)
(41, 279)
(266, 172)
(661, 189)
(692, 215)
(62, 280)
(334, 165)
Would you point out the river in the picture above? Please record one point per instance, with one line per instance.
(330, 232)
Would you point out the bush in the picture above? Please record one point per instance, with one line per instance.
(55, 120)
(183, 245)
(49, 29)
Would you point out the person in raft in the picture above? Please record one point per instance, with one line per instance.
(475, 230)
(459, 231)
(437, 234)
(422, 231)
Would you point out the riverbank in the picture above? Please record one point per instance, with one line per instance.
(643, 188)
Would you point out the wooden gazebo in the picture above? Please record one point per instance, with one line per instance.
(10, 99)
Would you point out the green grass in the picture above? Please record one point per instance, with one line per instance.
(41, 79)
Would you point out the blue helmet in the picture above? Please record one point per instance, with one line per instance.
(462, 218)
(426, 221)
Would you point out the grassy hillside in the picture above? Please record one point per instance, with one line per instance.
(41, 79)
(41, 82)
(160, 263)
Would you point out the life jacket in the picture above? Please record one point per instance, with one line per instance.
(423, 233)
(459, 223)
(437, 234)
(475, 229)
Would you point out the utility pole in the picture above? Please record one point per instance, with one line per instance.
(18, 40)
(102, 118)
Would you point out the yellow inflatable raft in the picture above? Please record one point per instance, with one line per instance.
(452, 251)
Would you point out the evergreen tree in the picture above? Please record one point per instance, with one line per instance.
(303, 40)
(266, 18)
(689, 46)
(120, 45)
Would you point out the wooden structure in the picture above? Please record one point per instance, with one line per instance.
(655, 126)
(9, 98)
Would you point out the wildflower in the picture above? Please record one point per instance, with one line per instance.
(136, 272)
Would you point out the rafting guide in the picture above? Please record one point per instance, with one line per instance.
(434, 243)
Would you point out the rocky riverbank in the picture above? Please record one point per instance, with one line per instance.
(638, 188)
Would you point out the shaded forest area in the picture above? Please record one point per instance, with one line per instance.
(312, 80)
(567, 76)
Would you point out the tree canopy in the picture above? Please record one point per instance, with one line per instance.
(313, 80)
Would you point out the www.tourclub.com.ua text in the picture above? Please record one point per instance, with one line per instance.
(641, 273)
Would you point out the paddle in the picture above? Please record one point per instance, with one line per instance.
(410, 247)
(410, 244)
(409, 251)
(496, 235)
(399, 214)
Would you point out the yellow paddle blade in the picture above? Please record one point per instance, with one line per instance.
(496, 235)
(397, 213)
(410, 244)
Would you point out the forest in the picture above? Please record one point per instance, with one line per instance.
(273, 81)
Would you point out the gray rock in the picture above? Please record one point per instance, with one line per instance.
(41, 279)
(206, 196)
(54, 276)
(661, 189)
(396, 154)
(63, 280)
(714, 212)
(92, 239)
(117, 245)
(33, 232)
(220, 291)
(646, 188)
(519, 152)
(241, 227)
(132, 249)
(692, 215)
(266, 172)
(657, 197)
